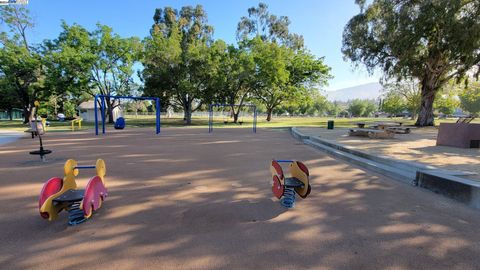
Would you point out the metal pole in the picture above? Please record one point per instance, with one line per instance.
(284, 161)
(157, 103)
(254, 119)
(86, 167)
(210, 116)
(103, 114)
(95, 106)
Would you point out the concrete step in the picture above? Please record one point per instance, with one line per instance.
(392, 172)
(412, 167)
(445, 182)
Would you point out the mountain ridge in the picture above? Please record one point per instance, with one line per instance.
(362, 91)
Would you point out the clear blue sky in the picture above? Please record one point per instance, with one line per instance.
(321, 23)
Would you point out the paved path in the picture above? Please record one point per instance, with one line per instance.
(8, 136)
(418, 146)
(191, 200)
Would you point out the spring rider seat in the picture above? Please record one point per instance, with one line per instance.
(62, 194)
(286, 188)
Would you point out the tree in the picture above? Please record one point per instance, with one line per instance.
(20, 62)
(356, 107)
(112, 70)
(409, 90)
(470, 98)
(334, 108)
(370, 108)
(176, 58)
(393, 103)
(359, 107)
(268, 27)
(446, 103)
(283, 74)
(432, 41)
(232, 75)
(8, 97)
(69, 60)
(96, 62)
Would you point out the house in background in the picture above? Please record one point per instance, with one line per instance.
(86, 110)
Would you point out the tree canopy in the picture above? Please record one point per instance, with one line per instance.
(177, 63)
(432, 41)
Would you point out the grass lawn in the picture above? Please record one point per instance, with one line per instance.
(277, 122)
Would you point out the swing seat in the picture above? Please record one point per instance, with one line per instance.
(120, 123)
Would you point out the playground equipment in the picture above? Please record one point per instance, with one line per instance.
(103, 105)
(119, 123)
(78, 122)
(37, 127)
(225, 118)
(41, 152)
(62, 194)
(286, 188)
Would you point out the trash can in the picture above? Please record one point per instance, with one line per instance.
(330, 124)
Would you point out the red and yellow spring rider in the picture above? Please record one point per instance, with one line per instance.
(285, 188)
(62, 194)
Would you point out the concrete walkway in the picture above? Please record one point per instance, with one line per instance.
(8, 136)
(418, 146)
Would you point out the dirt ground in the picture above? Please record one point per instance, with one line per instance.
(419, 146)
(191, 200)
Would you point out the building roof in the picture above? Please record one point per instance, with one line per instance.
(89, 105)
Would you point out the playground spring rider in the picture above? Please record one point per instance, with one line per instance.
(41, 152)
(62, 194)
(285, 188)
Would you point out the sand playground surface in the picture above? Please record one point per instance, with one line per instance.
(187, 199)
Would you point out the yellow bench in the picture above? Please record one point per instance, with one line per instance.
(78, 121)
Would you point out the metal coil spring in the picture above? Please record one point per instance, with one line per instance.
(288, 199)
(75, 214)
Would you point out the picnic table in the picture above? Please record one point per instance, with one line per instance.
(401, 130)
(372, 133)
(361, 124)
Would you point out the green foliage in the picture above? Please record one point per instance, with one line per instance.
(393, 103)
(96, 62)
(69, 60)
(409, 91)
(20, 62)
(232, 75)
(283, 74)
(361, 108)
(470, 98)
(446, 103)
(432, 41)
(69, 109)
(269, 27)
(178, 58)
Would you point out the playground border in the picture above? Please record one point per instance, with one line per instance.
(446, 182)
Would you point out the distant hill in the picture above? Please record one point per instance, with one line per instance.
(364, 91)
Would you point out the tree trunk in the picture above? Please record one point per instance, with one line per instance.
(110, 114)
(187, 114)
(26, 115)
(10, 114)
(269, 114)
(235, 117)
(429, 89)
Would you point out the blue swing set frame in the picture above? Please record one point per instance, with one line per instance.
(103, 106)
